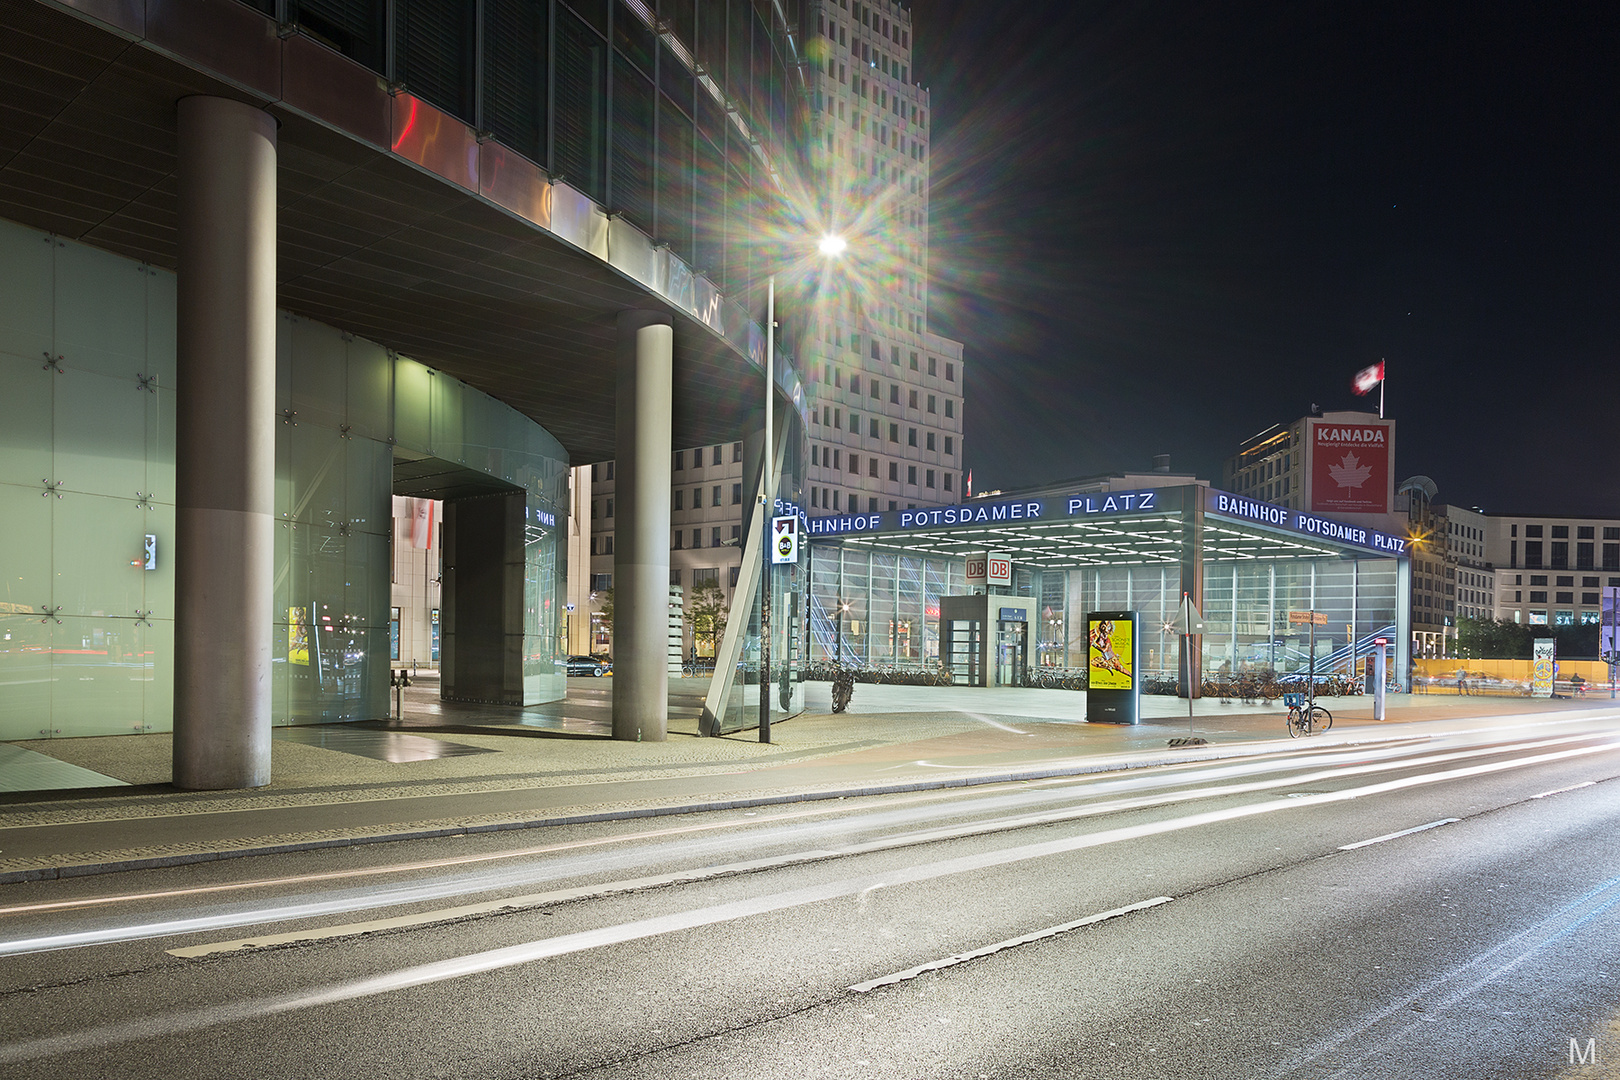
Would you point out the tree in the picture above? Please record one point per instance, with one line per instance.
(604, 613)
(1498, 639)
(708, 607)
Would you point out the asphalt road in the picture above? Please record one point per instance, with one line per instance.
(1432, 907)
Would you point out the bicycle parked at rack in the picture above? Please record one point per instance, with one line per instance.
(1305, 717)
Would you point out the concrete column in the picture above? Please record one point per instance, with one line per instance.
(641, 531)
(225, 442)
(1190, 665)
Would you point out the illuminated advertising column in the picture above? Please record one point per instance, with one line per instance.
(1112, 688)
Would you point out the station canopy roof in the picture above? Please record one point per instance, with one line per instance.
(1053, 539)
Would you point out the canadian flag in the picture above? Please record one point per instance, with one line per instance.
(1367, 378)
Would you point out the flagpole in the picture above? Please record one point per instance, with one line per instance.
(1381, 393)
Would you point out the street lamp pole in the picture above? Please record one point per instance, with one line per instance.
(765, 519)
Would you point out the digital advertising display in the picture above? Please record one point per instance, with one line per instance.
(1110, 655)
(1350, 471)
(1112, 690)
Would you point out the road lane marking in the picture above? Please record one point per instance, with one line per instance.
(1561, 790)
(1398, 835)
(1010, 943)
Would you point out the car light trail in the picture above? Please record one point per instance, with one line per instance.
(528, 952)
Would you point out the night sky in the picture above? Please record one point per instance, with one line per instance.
(1162, 228)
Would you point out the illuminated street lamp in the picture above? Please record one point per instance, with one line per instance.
(831, 245)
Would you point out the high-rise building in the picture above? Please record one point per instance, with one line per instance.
(885, 396)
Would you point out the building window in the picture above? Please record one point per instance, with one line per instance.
(680, 499)
(872, 467)
(697, 458)
(716, 501)
(679, 536)
(1583, 555)
(950, 372)
(930, 440)
(1583, 532)
(913, 359)
(1532, 530)
(911, 436)
(911, 475)
(928, 477)
(894, 433)
(607, 544)
(736, 494)
(680, 460)
(1590, 599)
(714, 537)
(950, 408)
(601, 582)
(872, 430)
(731, 578)
(877, 351)
(609, 509)
(705, 575)
(609, 471)
(697, 540)
(593, 509)
(931, 363)
(1560, 532)
(948, 477)
(1538, 597)
(1532, 554)
(854, 463)
(894, 393)
(876, 390)
(1560, 554)
(911, 400)
(931, 403)
(950, 446)
(894, 472)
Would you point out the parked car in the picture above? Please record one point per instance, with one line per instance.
(590, 665)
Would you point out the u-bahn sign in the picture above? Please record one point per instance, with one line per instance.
(785, 539)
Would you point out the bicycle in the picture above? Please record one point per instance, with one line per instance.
(1305, 717)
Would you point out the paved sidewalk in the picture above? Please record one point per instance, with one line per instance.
(450, 769)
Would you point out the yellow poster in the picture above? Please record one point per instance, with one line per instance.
(1111, 651)
(297, 637)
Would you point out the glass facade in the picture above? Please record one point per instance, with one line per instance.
(890, 599)
(87, 357)
(607, 96)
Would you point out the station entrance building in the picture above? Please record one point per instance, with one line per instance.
(1104, 545)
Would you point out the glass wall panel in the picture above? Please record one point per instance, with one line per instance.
(369, 395)
(159, 481)
(516, 50)
(25, 420)
(100, 434)
(100, 318)
(99, 669)
(319, 373)
(26, 259)
(97, 542)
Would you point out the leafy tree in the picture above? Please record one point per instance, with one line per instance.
(605, 612)
(1499, 639)
(709, 610)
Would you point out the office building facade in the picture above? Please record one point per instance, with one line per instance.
(268, 264)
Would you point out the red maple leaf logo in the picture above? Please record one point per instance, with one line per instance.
(1350, 472)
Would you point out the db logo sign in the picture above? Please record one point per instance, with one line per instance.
(975, 568)
(998, 570)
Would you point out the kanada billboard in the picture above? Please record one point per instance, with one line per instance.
(1350, 470)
